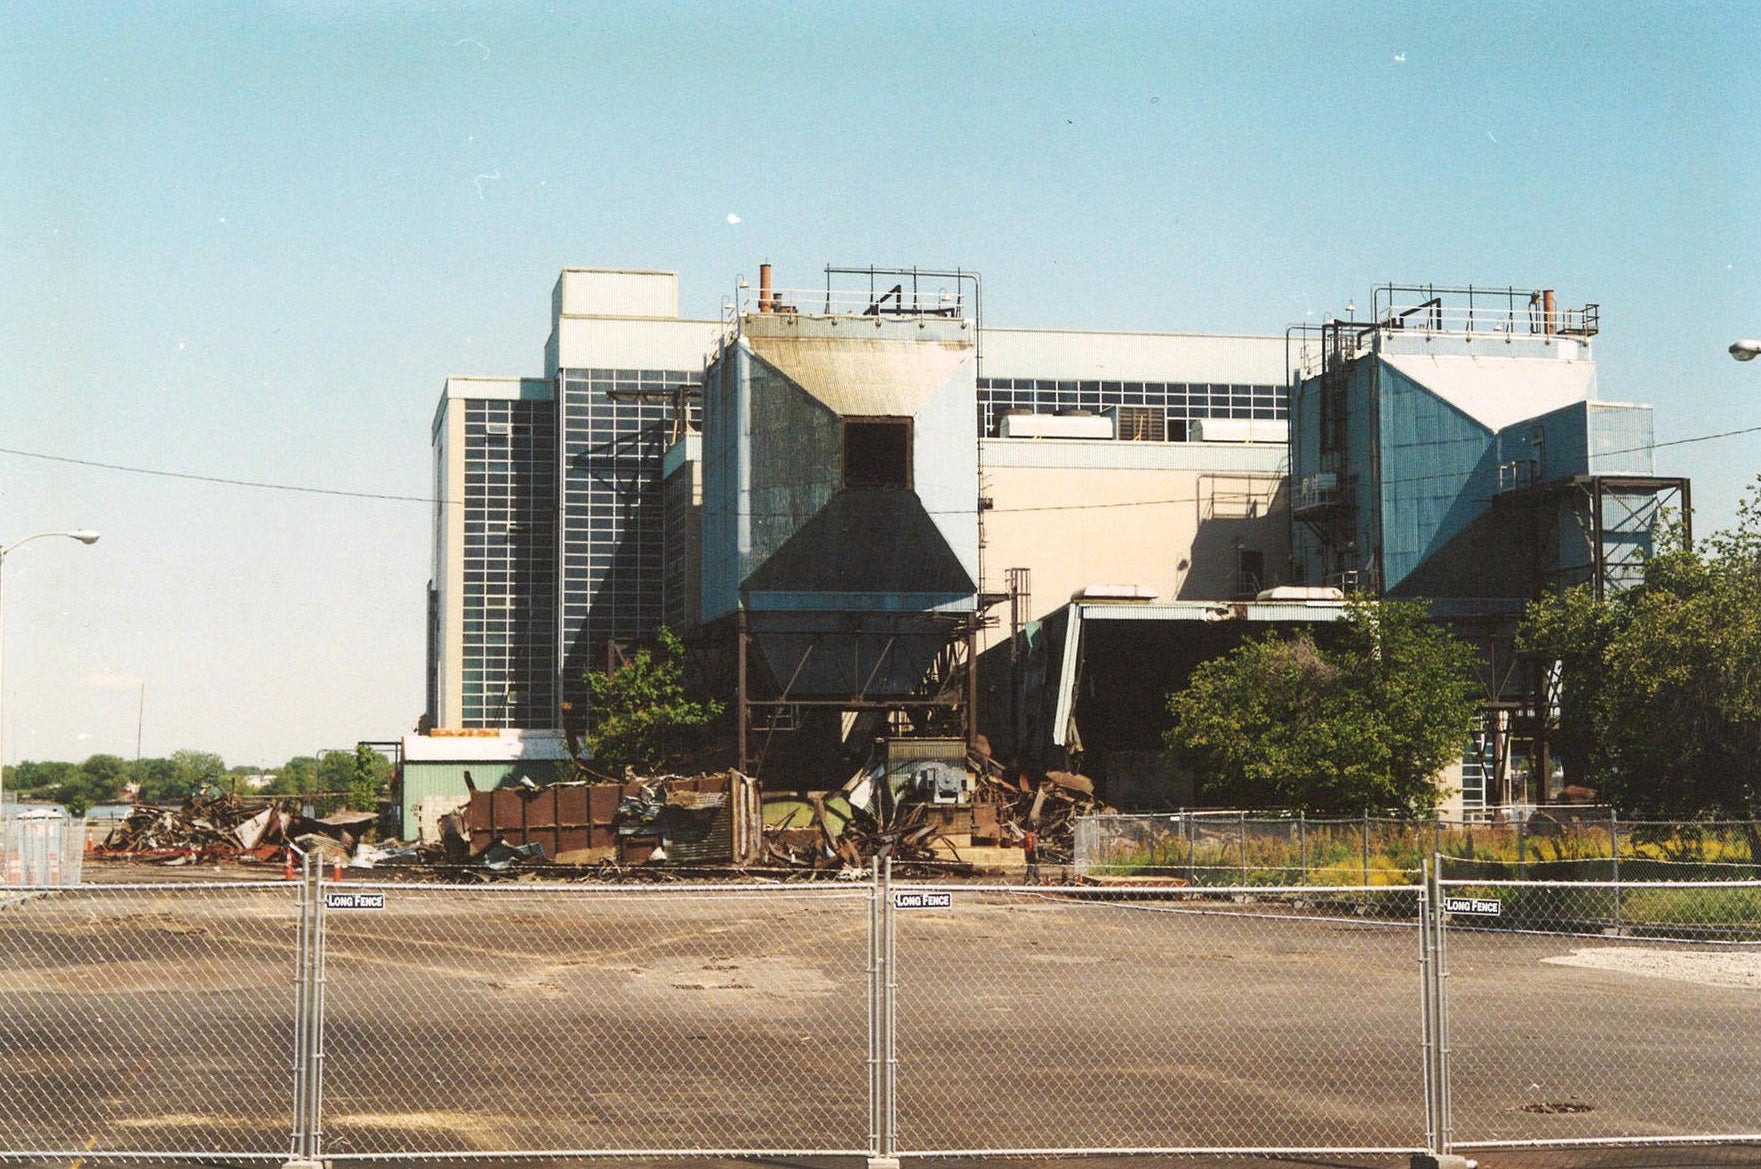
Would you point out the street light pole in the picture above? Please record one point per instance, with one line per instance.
(83, 536)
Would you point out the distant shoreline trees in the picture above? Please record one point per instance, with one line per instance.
(363, 775)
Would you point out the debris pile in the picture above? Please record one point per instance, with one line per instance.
(224, 826)
(697, 820)
(954, 818)
(1046, 804)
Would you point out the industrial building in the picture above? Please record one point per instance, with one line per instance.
(1452, 448)
(548, 529)
(879, 517)
(584, 508)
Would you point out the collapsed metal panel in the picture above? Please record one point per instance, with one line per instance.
(708, 819)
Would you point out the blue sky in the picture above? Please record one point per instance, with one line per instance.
(251, 240)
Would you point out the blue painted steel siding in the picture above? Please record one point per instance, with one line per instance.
(796, 460)
(1363, 473)
(1555, 442)
(1584, 438)
(764, 480)
(1305, 460)
(724, 420)
(1439, 470)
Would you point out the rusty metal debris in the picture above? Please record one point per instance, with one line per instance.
(927, 816)
(697, 820)
(220, 827)
(920, 815)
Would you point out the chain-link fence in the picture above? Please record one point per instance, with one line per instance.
(569, 1019)
(41, 848)
(385, 1021)
(1084, 1020)
(147, 1019)
(1582, 1013)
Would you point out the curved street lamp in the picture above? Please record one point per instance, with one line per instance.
(84, 536)
(1746, 350)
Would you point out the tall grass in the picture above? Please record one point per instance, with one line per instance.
(1223, 850)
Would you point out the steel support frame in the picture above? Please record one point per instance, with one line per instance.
(959, 657)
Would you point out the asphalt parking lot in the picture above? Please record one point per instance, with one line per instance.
(524, 1020)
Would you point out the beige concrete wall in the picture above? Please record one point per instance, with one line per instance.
(631, 343)
(612, 292)
(1175, 530)
(1058, 353)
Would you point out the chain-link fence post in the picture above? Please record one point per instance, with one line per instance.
(1614, 857)
(307, 1142)
(1439, 1128)
(875, 1023)
(1428, 999)
(1302, 837)
(1366, 849)
(883, 1014)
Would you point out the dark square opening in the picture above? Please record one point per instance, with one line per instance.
(877, 452)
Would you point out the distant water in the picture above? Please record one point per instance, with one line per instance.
(98, 812)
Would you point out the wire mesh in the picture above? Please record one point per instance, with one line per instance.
(1589, 1013)
(147, 1020)
(570, 1019)
(41, 849)
(1088, 1020)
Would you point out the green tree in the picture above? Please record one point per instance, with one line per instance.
(186, 773)
(297, 776)
(38, 780)
(104, 776)
(1660, 685)
(641, 714)
(1367, 723)
(369, 775)
(158, 780)
(100, 779)
(200, 771)
(336, 771)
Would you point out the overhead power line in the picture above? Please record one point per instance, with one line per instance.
(303, 489)
(160, 473)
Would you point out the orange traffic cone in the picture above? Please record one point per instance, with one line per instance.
(336, 873)
(287, 869)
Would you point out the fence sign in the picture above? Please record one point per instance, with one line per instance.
(902, 900)
(1485, 906)
(354, 901)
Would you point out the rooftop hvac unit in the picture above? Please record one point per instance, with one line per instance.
(1139, 423)
(1240, 430)
(1054, 426)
